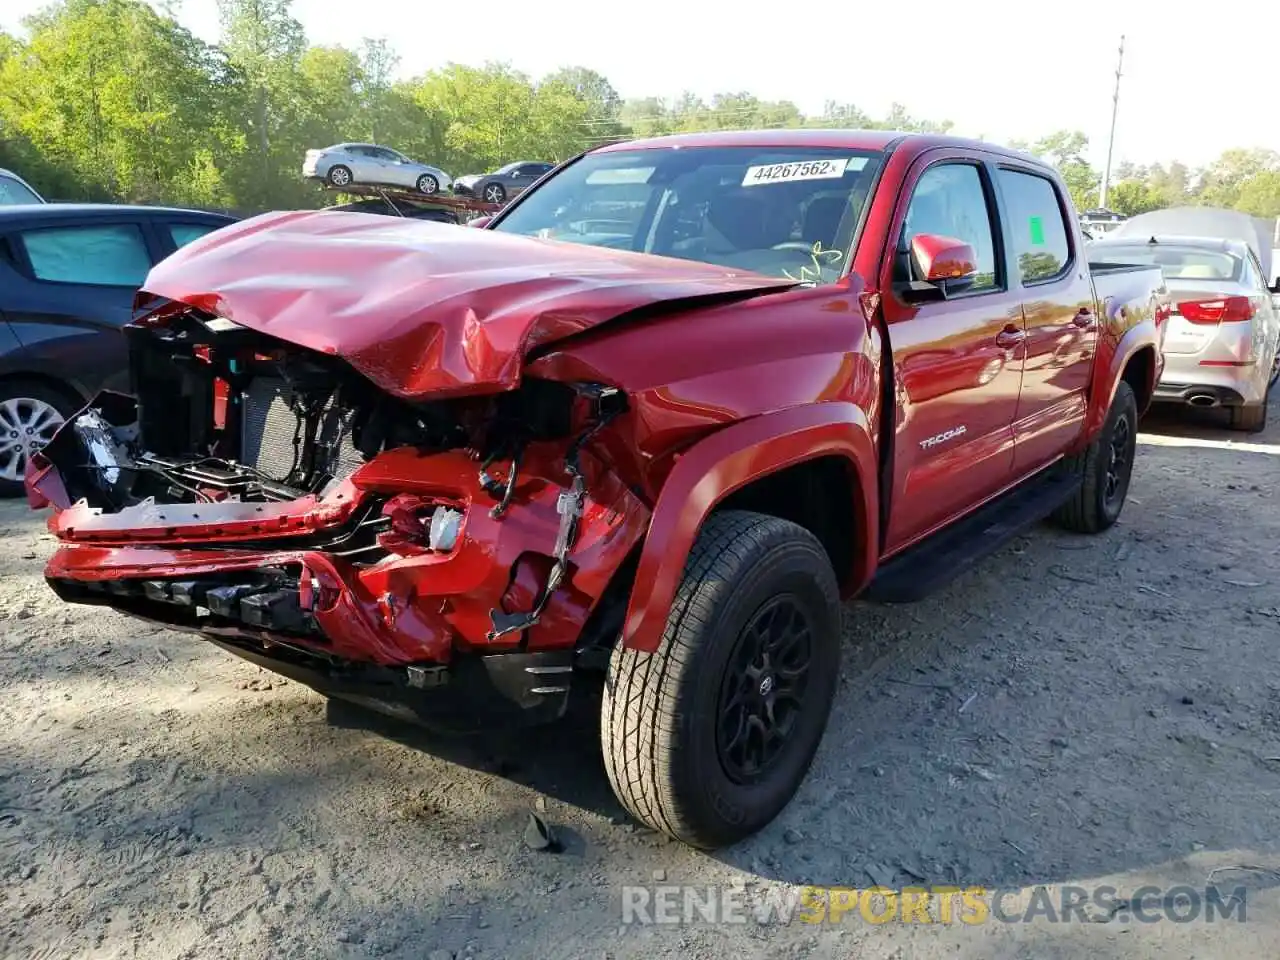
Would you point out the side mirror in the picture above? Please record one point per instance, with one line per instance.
(941, 266)
(479, 221)
(1275, 285)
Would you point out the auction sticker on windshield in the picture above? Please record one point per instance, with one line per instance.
(828, 168)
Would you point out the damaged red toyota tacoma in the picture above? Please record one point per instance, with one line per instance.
(642, 430)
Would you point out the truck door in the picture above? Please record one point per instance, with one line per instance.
(1058, 310)
(957, 361)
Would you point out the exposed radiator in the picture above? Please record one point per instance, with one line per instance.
(269, 427)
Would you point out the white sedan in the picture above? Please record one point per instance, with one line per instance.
(345, 164)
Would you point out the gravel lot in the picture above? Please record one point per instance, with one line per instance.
(1075, 711)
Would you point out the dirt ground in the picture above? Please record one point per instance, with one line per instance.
(1075, 711)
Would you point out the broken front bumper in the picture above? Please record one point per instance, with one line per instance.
(345, 592)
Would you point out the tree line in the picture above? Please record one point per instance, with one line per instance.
(114, 100)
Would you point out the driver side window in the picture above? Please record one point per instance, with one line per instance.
(949, 200)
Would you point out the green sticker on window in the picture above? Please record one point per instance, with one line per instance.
(1037, 232)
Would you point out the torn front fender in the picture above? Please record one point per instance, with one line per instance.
(729, 460)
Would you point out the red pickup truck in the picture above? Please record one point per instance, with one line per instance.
(648, 425)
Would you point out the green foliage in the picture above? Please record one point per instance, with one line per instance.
(1245, 180)
(1132, 197)
(372, 80)
(493, 114)
(1260, 194)
(1065, 150)
(111, 95)
(113, 99)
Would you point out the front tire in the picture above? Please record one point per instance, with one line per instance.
(1106, 468)
(428, 185)
(708, 738)
(494, 193)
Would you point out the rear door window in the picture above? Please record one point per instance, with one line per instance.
(184, 233)
(108, 255)
(1041, 240)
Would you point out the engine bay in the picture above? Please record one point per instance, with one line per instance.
(266, 493)
(220, 413)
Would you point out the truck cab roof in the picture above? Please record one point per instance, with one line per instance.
(852, 139)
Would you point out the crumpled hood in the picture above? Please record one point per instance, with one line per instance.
(423, 308)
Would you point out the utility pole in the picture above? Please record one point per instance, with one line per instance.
(1111, 141)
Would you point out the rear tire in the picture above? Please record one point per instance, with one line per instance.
(1106, 466)
(340, 176)
(1249, 418)
(27, 406)
(708, 738)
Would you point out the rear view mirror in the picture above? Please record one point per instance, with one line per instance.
(940, 266)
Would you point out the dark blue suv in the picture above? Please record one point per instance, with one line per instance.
(68, 275)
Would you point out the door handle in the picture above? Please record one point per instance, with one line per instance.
(1010, 337)
(1083, 319)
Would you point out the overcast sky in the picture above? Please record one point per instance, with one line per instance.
(1198, 78)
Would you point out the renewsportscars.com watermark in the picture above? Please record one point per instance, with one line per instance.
(678, 904)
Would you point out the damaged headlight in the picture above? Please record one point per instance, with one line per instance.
(417, 524)
(106, 445)
(221, 325)
(445, 524)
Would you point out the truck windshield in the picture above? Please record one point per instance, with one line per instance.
(784, 212)
(1176, 261)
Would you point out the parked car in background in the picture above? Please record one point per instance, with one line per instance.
(1099, 222)
(1222, 345)
(68, 275)
(505, 182)
(476, 472)
(14, 190)
(346, 163)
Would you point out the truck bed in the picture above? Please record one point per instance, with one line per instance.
(1127, 291)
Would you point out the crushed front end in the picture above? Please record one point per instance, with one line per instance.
(444, 559)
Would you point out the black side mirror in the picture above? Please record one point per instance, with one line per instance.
(1275, 285)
